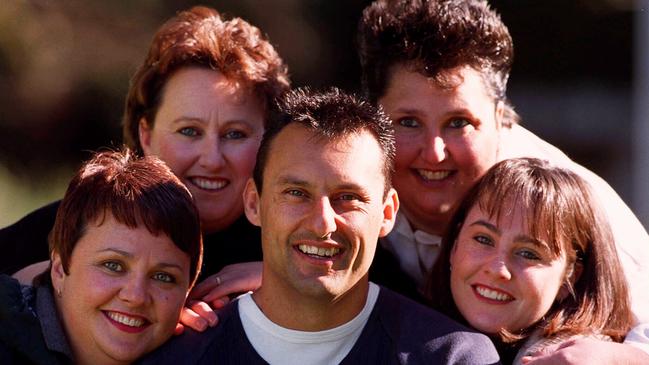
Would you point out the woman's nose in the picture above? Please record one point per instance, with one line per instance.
(211, 154)
(435, 149)
(134, 291)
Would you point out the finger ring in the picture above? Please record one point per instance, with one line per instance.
(218, 280)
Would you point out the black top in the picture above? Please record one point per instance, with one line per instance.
(240, 242)
(25, 242)
(398, 331)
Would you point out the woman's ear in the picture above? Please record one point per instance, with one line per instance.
(573, 273)
(144, 133)
(57, 274)
(500, 114)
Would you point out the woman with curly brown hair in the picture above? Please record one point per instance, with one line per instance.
(440, 68)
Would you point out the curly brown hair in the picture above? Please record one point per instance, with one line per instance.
(201, 37)
(431, 38)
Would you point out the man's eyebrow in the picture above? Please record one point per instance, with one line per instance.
(292, 180)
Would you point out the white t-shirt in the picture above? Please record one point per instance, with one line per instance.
(279, 345)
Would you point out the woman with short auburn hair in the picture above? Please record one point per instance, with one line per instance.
(125, 251)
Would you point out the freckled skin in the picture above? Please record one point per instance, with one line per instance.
(506, 261)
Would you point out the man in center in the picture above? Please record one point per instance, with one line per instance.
(322, 195)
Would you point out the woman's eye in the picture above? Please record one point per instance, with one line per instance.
(408, 122)
(458, 123)
(529, 255)
(348, 197)
(235, 135)
(164, 277)
(188, 131)
(113, 266)
(483, 240)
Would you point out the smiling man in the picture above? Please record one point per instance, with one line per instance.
(322, 196)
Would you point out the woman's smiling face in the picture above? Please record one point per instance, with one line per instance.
(207, 130)
(502, 277)
(123, 292)
(447, 137)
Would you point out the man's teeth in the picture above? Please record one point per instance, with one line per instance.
(492, 294)
(433, 175)
(129, 321)
(319, 251)
(209, 184)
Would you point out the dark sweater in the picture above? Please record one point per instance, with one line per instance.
(399, 331)
(30, 331)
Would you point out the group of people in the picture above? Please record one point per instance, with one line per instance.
(419, 223)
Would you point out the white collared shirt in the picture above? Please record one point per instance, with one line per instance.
(416, 251)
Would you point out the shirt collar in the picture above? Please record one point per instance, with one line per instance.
(55, 337)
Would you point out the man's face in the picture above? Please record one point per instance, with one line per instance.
(321, 212)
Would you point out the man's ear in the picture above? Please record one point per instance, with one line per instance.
(144, 132)
(251, 201)
(390, 208)
(57, 274)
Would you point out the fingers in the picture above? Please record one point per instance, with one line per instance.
(179, 329)
(220, 302)
(205, 286)
(198, 316)
(242, 283)
(233, 279)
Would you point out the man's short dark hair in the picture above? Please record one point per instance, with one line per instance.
(331, 114)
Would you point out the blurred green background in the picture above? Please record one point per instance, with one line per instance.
(65, 68)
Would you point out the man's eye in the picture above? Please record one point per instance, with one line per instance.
(113, 266)
(294, 192)
(164, 277)
(408, 122)
(235, 135)
(188, 131)
(458, 123)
